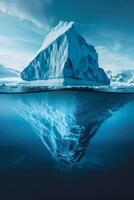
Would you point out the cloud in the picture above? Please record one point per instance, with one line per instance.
(6, 41)
(15, 60)
(113, 59)
(117, 35)
(12, 57)
(117, 46)
(35, 11)
(116, 51)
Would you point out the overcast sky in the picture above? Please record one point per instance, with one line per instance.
(106, 24)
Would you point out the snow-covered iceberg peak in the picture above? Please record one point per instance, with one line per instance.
(65, 54)
(60, 29)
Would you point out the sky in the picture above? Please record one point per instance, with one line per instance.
(106, 24)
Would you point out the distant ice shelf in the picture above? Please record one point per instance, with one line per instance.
(17, 85)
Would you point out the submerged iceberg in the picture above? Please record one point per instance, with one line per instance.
(66, 121)
(65, 54)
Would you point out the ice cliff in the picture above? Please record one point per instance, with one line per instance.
(65, 54)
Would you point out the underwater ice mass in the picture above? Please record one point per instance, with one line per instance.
(66, 121)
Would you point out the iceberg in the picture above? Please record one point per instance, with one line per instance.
(66, 55)
(124, 76)
(67, 121)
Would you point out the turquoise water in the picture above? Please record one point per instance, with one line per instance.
(66, 144)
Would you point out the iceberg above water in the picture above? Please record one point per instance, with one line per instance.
(65, 54)
(66, 61)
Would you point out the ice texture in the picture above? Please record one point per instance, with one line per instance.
(66, 54)
(66, 121)
(123, 76)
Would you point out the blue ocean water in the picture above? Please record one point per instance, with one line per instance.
(66, 145)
